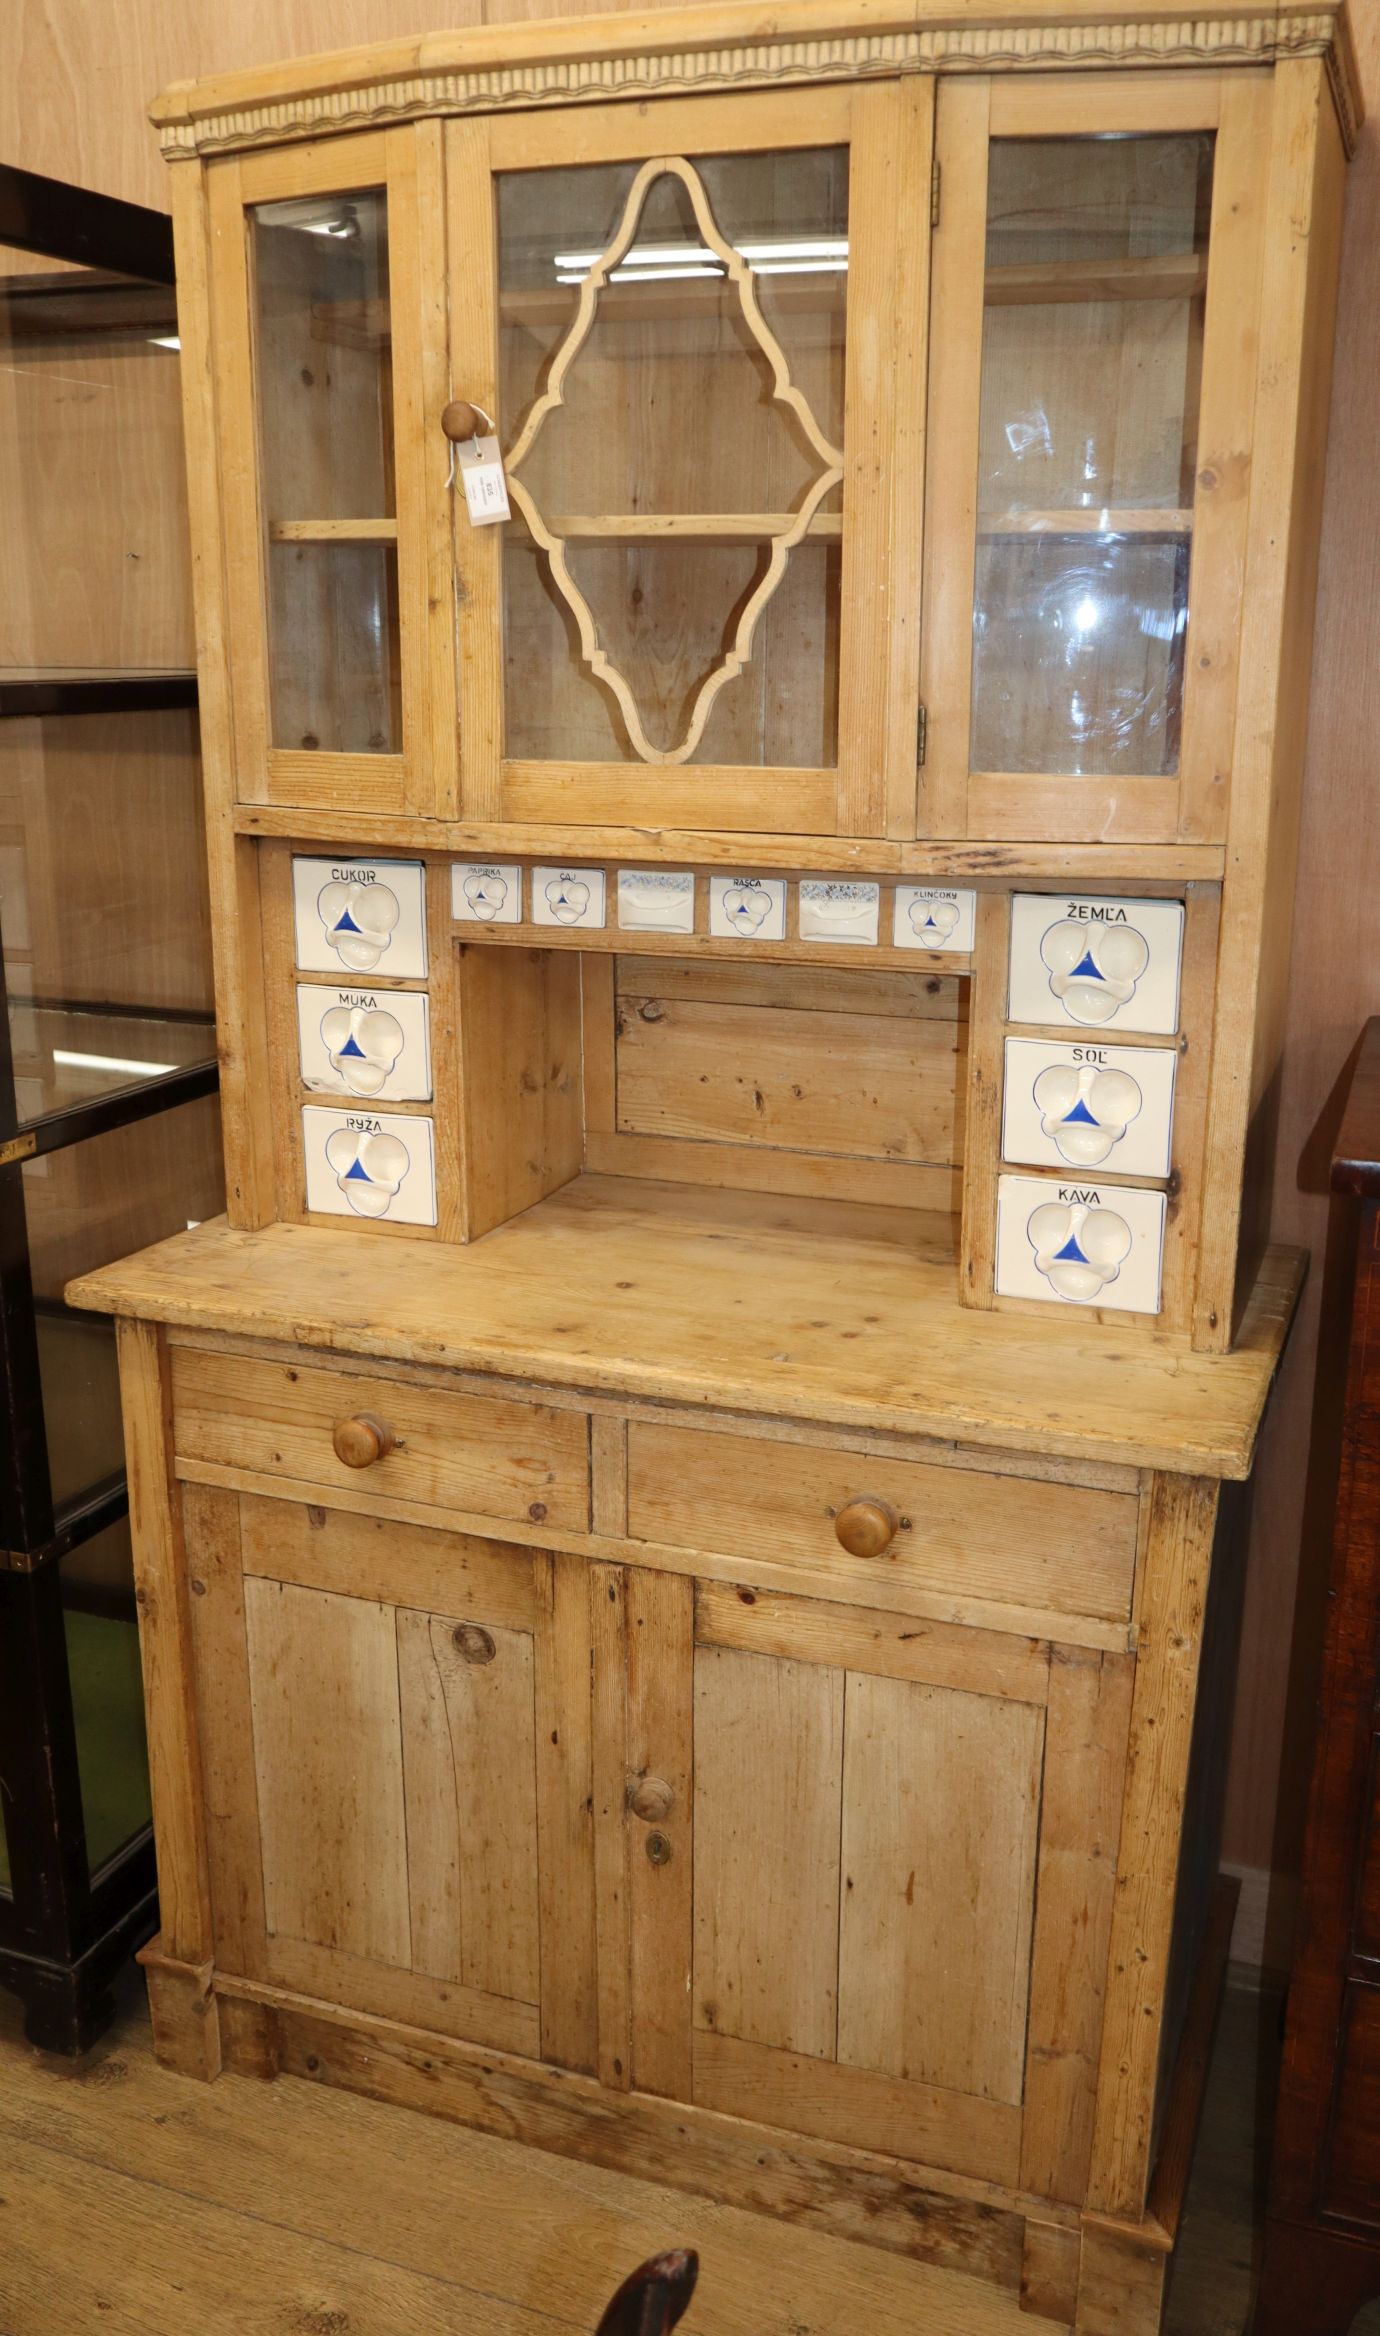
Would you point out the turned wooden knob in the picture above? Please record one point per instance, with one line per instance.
(866, 1527)
(460, 420)
(360, 1441)
(651, 1799)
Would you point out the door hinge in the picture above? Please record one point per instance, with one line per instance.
(935, 176)
(922, 732)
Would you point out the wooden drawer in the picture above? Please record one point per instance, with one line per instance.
(1015, 1539)
(488, 1455)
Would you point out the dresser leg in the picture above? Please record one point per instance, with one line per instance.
(1120, 2285)
(186, 2015)
(1314, 2280)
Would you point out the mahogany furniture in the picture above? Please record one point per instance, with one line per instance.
(689, 1515)
(1322, 2244)
(105, 1028)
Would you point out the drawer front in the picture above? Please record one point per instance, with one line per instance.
(1067, 1548)
(491, 1455)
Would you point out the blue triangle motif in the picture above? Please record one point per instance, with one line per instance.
(351, 1048)
(357, 1173)
(345, 923)
(1070, 1250)
(1080, 1112)
(1087, 967)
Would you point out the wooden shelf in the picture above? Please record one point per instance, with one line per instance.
(690, 526)
(742, 1302)
(1182, 276)
(333, 531)
(1121, 521)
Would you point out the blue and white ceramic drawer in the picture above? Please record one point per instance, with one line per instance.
(1079, 1243)
(1101, 964)
(379, 1165)
(1081, 1105)
(360, 917)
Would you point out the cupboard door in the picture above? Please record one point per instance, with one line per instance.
(325, 261)
(856, 1895)
(695, 323)
(1096, 283)
(396, 1734)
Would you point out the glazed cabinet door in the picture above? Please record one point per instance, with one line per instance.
(395, 1736)
(327, 289)
(870, 1864)
(699, 329)
(1096, 285)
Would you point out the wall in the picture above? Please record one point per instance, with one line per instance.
(75, 76)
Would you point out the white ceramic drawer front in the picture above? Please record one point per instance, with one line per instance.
(747, 908)
(360, 917)
(1083, 1105)
(375, 1044)
(656, 900)
(370, 1164)
(1102, 964)
(1076, 1243)
(486, 892)
(568, 896)
(932, 916)
(831, 911)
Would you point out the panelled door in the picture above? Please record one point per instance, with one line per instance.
(1095, 299)
(396, 1741)
(698, 327)
(869, 1870)
(327, 277)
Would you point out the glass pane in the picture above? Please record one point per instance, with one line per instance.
(81, 1400)
(1092, 349)
(118, 1192)
(95, 575)
(103, 913)
(333, 628)
(107, 1693)
(323, 350)
(667, 464)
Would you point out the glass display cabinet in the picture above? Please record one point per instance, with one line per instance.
(108, 1129)
(754, 587)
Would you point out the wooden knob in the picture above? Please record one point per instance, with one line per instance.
(360, 1441)
(461, 420)
(651, 1799)
(866, 1527)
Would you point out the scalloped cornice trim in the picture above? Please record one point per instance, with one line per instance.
(1242, 40)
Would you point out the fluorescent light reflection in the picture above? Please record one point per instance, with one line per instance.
(110, 1062)
(649, 262)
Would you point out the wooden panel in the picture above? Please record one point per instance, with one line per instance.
(845, 1083)
(892, 1646)
(565, 1814)
(474, 1453)
(940, 1811)
(211, 1525)
(608, 1592)
(410, 1998)
(520, 1096)
(768, 1772)
(1080, 1825)
(661, 1659)
(855, 988)
(328, 1754)
(469, 1757)
(396, 1564)
(857, 2106)
(1001, 1537)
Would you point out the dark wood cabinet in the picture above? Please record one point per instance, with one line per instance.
(1322, 2252)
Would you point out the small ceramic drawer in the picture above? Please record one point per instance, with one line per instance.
(374, 1044)
(1103, 964)
(374, 1164)
(747, 908)
(486, 892)
(360, 917)
(479, 1455)
(1089, 1106)
(863, 1524)
(932, 916)
(568, 896)
(832, 911)
(1076, 1243)
(656, 900)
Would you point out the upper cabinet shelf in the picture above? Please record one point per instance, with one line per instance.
(833, 421)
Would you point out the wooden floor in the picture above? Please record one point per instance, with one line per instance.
(136, 2203)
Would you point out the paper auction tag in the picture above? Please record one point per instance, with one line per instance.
(481, 473)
